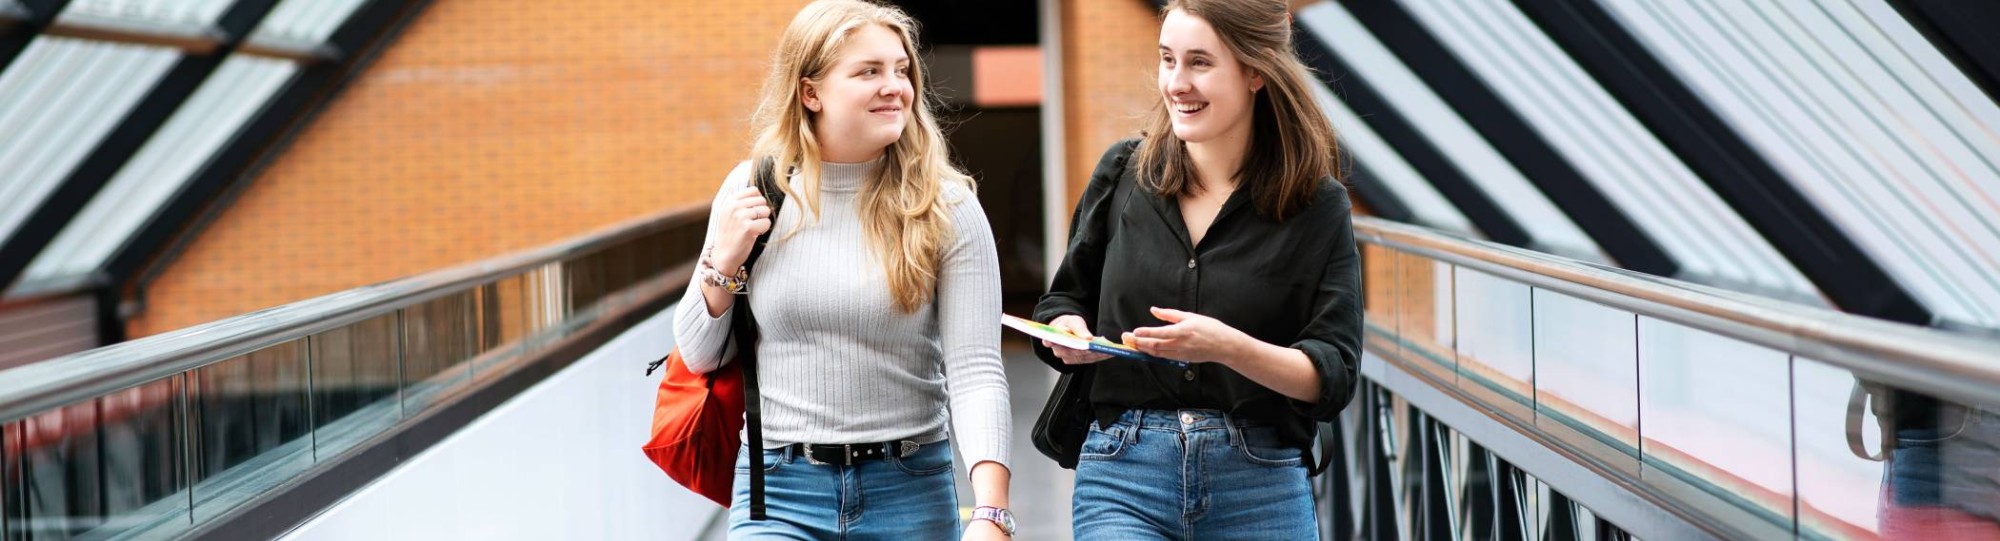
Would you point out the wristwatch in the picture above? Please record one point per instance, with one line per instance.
(997, 516)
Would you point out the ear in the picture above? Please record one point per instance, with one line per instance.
(1256, 83)
(809, 95)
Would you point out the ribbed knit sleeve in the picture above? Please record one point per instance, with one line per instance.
(968, 311)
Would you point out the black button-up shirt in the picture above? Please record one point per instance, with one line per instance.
(1296, 283)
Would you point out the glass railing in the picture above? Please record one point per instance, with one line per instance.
(164, 435)
(1730, 415)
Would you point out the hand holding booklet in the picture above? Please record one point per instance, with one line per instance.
(1097, 344)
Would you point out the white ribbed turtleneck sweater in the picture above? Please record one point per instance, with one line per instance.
(837, 363)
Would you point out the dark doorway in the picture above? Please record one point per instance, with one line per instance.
(1003, 149)
(1001, 146)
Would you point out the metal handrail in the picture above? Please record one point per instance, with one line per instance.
(70, 379)
(1915, 358)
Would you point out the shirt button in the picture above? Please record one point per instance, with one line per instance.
(1187, 375)
(1190, 263)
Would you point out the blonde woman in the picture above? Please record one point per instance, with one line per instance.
(1221, 238)
(875, 299)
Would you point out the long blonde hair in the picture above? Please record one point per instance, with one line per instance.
(902, 207)
(1292, 145)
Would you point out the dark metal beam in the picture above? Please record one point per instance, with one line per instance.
(1964, 32)
(1377, 196)
(1426, 158)
(159, 241)
(1724, 159)
(1496, 120)
(15, 36)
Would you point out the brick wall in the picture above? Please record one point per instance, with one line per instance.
(489, 126)
(1108, 79)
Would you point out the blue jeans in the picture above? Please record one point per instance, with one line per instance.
(893, 498)
(1190, 474)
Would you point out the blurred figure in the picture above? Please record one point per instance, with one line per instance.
(1941, 469)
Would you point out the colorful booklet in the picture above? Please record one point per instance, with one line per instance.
(1095, 343)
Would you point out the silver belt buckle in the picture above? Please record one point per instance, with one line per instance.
(810, 459)
(909, 448)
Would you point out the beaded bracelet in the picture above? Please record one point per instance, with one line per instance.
(738, 284)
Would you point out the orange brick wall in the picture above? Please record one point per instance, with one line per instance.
(1108, 78)
(490, 126)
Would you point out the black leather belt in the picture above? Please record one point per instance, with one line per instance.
(849, 454)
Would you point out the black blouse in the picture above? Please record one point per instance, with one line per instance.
(1296, 283)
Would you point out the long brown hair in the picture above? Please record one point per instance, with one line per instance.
(902, 206)
(1292, 145)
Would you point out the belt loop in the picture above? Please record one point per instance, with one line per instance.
(1235, 432)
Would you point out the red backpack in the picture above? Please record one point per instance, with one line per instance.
(695, 417)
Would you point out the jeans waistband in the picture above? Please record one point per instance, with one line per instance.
(1186, 420)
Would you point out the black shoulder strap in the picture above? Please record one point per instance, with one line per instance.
(1122, 190)
(744, 328)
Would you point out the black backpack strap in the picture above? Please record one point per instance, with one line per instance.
(744, 328)
(1329, 438)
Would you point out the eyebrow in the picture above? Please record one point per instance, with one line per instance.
(1190, 52)
(877, 62)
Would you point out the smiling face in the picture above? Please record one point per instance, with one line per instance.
(1208, 93)
(862, 103)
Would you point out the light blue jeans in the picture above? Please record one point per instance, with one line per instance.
(893, 498)
(1190, 474)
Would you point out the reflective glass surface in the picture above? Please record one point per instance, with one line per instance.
(1715, 419)
(1380, 282)
(108, 465)
(356, 381)
(1587, 376)
(1727, 436)
(154, 460)
(1496, 341)
(252, 421)
(1429, 332)
(440, 337)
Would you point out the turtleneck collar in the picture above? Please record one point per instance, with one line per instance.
(845, 177)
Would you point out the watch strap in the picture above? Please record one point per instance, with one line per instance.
(998, 516)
